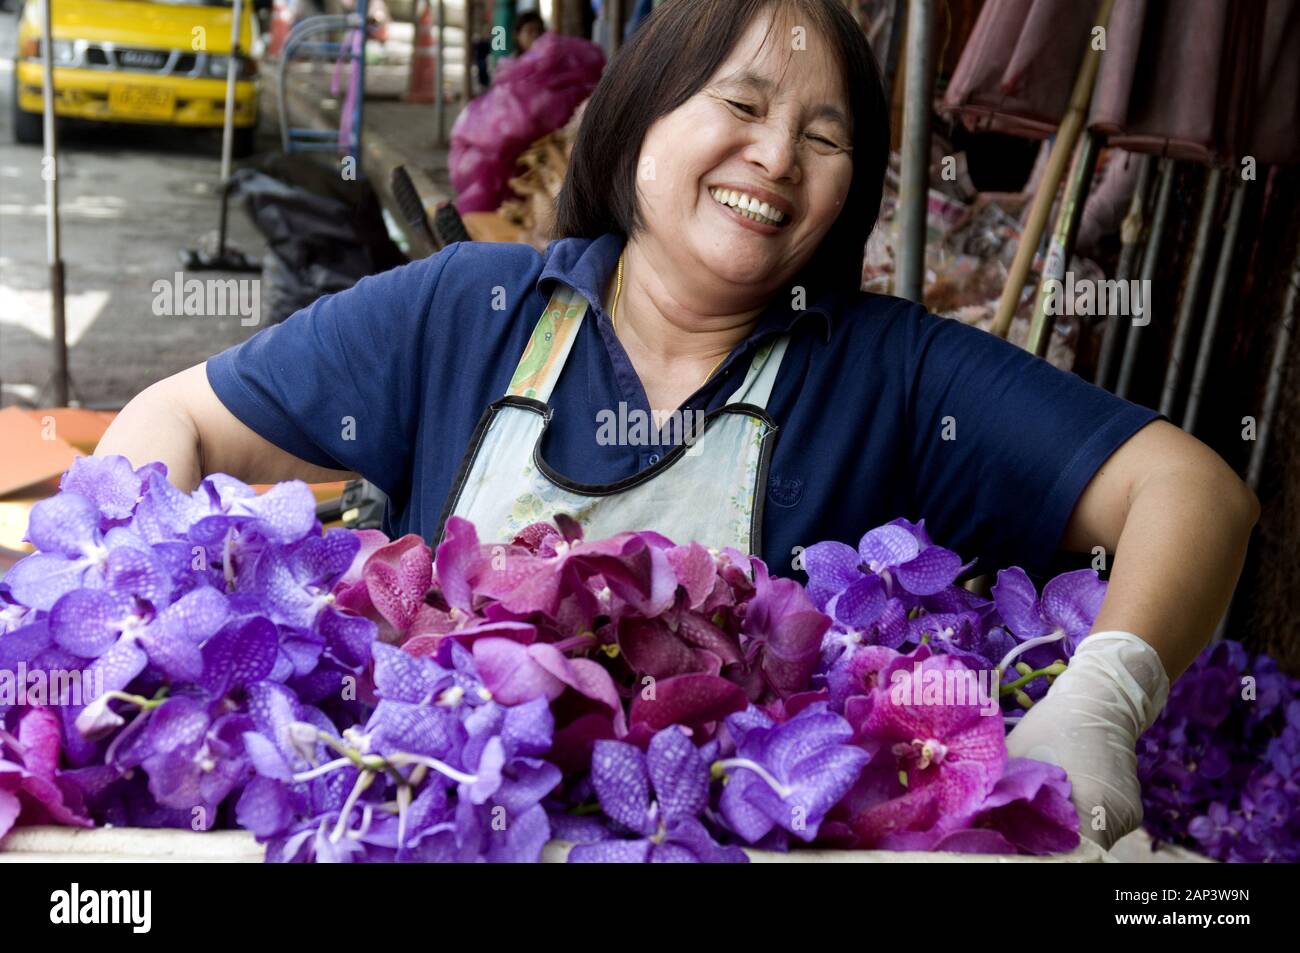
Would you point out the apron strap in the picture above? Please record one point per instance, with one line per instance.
(548, 347)
(757, 385)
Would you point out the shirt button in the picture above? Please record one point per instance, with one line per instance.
(653, 458)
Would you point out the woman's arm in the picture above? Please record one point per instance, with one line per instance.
(1177, 521)
(181, 422)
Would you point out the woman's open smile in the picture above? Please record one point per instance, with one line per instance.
(752, 208)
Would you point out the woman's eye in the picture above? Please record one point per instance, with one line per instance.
(747, 109)
(824, 145)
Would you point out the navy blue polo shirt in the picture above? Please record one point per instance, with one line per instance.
(883, 410)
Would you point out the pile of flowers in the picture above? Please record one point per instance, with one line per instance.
(349, 698)
(1220, 768)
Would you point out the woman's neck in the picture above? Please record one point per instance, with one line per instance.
(675, 331)
(667, 319)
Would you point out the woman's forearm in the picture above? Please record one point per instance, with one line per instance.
(153, 428)
(1179, 555)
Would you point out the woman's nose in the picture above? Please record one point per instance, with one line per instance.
(775, 149)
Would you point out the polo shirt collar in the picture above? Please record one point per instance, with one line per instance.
(585, 266)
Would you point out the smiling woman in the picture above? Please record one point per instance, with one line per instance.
(724, 180)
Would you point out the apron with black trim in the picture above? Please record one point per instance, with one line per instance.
(708, 488)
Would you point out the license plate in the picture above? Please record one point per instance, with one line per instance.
(141, 102)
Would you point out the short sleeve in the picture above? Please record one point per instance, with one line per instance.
(339, 383)
(1003, 443)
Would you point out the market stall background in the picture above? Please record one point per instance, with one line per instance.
(1221, 261)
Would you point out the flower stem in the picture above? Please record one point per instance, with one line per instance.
(1056, 668)
(781, 790)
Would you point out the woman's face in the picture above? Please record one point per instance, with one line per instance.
(773, 125)
(527, 35)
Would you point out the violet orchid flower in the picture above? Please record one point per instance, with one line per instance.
(897, 560)
(788, 775)
(658, 796)
(935, 755)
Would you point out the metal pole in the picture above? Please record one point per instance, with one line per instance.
(1272, 391)
(914, 186)
(439, 112)
(228, 127)
(1132, 234)
(1276, 374)
(1190, 305)
(1063, 236)
(467, 78)
(227, 131)
(1150, 260)
(1066, 136)
(1214, 311)
(53, 251)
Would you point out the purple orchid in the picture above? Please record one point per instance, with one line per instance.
(784, 632)
(788, 775)
(658, 795)
(32, 789)
(1066, 611)
(934, 759)
(897, 560)
(1027, 812)
(296, 589)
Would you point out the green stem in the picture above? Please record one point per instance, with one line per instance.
(1056, 668)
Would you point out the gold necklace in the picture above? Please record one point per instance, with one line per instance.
(613, 313)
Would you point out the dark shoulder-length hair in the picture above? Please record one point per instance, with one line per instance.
(668, 60)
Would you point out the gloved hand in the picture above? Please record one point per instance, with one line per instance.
(1089, 722)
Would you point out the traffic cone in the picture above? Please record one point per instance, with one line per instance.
(424, 69)
(282, 16)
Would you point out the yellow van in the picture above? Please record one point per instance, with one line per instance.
(150, 61)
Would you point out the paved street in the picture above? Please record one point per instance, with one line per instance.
(131, 198)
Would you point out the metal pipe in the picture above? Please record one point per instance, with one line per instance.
(1276, 375)
(1150, 261)
(228, 124)
(914, 188)
(1272, 392)
(1214, 311)
(1066, 136)
(439, 110)
(53, 250)
(1063, 236)
(1189, 307)
(1132, 236)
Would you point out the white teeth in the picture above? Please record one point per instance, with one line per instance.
(748, 206)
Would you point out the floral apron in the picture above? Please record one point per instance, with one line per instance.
(708, 489)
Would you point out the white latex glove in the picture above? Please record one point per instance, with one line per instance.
(1088, 723)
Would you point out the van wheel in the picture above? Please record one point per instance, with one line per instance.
(243, 142)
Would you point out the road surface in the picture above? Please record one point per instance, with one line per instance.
(131, 198)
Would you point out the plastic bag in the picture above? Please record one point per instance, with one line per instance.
(530, 97)
(323, 234)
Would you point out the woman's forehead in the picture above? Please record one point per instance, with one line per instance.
(772, 61)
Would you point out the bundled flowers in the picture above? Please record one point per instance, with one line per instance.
(349, 698)
(1220, 768)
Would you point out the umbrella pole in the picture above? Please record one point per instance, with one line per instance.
(1150, 261)
(1132, 235)
(1276, 375)
(1063, 236)
(60, 383)
(1066, 137)
(1214, 311)
(1190, 305)
(1272, 393)
(914, 185)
